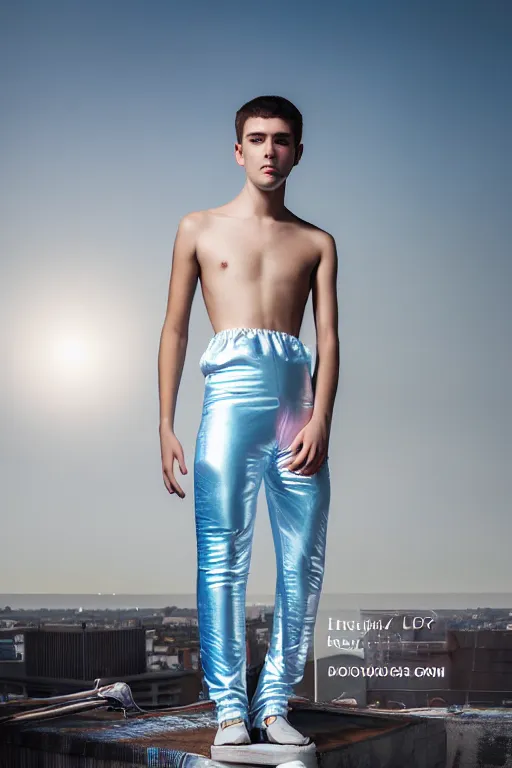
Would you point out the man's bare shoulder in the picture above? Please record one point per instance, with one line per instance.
(196, 222)
(326, 241)
(320, 238)
(193, 221)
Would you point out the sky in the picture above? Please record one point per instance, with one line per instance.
(118, 119)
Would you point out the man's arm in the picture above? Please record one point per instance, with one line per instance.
(325, 309)
(174, 337)
(309, 448)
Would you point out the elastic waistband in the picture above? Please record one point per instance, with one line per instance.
(253, 344)
(264, 331)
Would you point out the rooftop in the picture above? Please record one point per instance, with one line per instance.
(341, 735)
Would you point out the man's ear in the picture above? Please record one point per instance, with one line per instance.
(298, 154)
(239, 157)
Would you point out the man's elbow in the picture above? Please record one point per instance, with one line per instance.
(328, 338)
(175, 330)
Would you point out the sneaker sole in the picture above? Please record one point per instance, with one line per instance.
(265, 754)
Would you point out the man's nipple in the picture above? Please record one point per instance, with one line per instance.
(224, 264)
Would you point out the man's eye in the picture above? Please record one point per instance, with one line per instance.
(279, 141)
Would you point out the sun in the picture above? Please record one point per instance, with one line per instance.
(71, 354)
(74, 358)
(74, 354)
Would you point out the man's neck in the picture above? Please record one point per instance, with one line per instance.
(253, 203)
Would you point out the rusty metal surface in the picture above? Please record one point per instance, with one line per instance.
(181, 737)
(136, 741)
(112, 738)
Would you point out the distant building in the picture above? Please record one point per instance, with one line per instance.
(77, 653)
(477, 671)
(7, 649)
(70, 659)
(190, 621)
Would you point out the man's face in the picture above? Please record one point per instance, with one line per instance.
(267, 141)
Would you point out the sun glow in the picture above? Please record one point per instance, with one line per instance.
(71, 355)
(74, 357)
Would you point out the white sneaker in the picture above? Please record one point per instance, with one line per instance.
(292, 764)
(232, 734)
(280, 731)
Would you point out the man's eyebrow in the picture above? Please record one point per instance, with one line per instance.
(262, 133)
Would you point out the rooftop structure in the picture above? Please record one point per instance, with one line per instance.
(343, 736)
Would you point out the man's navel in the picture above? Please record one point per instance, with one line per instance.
(224, 264)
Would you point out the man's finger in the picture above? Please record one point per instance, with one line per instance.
(181, 462)
(296, 443)
(299, 459)
(166, 482)
(319, 461)
(311, 458)
(315, 464)
(176, 485)
(313, 461)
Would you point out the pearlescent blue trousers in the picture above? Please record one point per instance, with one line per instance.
(258, 396)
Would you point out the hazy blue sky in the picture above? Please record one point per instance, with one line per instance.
(118, 119)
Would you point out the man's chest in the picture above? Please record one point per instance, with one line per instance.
(254, 256)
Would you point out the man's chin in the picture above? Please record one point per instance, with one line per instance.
(271, 182)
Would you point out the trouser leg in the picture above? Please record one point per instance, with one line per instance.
(227, 475)
(298, 509)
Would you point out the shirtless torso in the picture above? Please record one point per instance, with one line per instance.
(255, 274)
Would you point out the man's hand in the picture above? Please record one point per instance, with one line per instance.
(171, 449)
(313, 442)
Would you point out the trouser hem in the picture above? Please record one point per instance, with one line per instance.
(269, 709)
(231, 714)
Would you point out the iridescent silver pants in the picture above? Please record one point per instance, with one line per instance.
(258, 396)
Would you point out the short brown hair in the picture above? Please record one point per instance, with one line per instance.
(270, 106)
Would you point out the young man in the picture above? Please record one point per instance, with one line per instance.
(265, 416)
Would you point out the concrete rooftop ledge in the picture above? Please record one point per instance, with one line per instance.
(344, 737)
